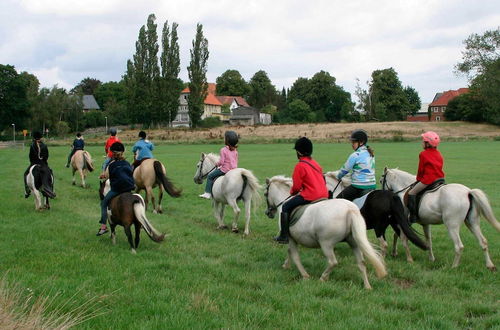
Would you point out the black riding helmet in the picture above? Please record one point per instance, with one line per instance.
(231, 138)
(142, 134)
(117, 147)
(37, 135)
(360, 136)
(304, 146)
(112, 131)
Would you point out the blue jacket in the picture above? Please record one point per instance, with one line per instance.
(362, 166)
(120, 176)
(144, 147)
(78, 144)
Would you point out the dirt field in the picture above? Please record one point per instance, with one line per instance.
(331, 132)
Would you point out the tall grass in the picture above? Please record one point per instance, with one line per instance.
(204, 278)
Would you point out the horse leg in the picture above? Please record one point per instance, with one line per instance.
(160, 197)
(113, 233)
(149, 192)
(47, 203)
(383, 245)
(82, 177)
(293, 253)
(428, 238)
(38, 200)
(248, 207)
(360, 261)
(404, 241)
(286, 264)
(73, 182)
(454, 232)
(473, 224)
(237, 211)
(327, 249)
(137, 234)
(129, 236)
(395, 245)
(219, 214)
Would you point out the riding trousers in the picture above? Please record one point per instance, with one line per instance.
(417, 188)
(211, 178)
(292, 203)
(351, 193)
(104, 205)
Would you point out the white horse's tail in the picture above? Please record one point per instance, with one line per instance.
(253, 185)
(480, 201)
(140, 214)
(87, 161)
(358, 228)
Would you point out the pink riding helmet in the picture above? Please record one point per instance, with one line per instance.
(432, 138)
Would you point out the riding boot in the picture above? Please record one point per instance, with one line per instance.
(284, 232)
(412, 207)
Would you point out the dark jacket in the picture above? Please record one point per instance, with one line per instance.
(120, 176)
(78, 144)
(39, 154)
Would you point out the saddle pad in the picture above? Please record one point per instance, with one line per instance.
(361, 200)
(299, 211)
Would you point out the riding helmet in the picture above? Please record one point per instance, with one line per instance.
(142, 134)
(231, 138)
(360, 136)
(117, 147)
(432, 138)
(37, 135)
(304, 146)
(112, 131)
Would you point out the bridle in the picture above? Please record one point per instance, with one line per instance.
(273, 208)
(202, 176)
(384, 184)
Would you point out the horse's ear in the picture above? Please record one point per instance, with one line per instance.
(202, 155)
(385, 169)
(267, 180)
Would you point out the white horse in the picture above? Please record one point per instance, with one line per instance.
(81, 161)
(450, 205)
(323, 225)
(236, 184)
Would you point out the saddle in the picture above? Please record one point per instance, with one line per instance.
(299, 211)
(430, 188)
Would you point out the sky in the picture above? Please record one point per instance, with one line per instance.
(64, 41)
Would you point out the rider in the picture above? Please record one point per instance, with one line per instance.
(78, 144)
(120, 179)
(109, 142)
(39, 154)
(362, 164)
(430, 169)
(228, 161)
(308, 185)
(144, 148)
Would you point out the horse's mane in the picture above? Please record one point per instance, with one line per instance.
(402, 173)
(346, 180)
(213, 157)
(281, 179)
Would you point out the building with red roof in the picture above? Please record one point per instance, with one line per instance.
(437, 107)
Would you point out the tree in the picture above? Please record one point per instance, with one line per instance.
(87, 86)
(14, 103)
(170, 84)
(232, 83)
(414, 102)
(262, 91)
(480, 51)
(152, 74)
(197, 71)
(299, 111)
(388, 99)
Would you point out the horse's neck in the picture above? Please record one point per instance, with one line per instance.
(211, 160)
(403, 179)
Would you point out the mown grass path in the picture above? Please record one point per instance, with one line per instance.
(204, 278)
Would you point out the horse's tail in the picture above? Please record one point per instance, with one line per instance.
(166, 183)
(140, 214)
(253, 185)
(87, 161)
(480, 201)
(398, 213)
(358, 228)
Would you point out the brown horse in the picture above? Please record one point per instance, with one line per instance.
(81, 161)
(127, 209)
(150, 174)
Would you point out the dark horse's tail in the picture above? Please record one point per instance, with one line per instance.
(140, 214)
(398, 213)
(87, 161)
(167, 184)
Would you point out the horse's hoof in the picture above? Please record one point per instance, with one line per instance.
(410, 261)
(133, 251)
(73, 183)
(492, 268)
(323, 279)
(222, 227)
(155, 212)
(306, 277)
(235, 230)
(160, 211)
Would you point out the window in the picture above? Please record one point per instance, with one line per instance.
(443, 109)
(438, 118)
(435, 109)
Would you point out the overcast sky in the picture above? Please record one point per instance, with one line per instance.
(65, 41)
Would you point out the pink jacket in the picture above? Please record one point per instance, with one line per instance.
(228, 159)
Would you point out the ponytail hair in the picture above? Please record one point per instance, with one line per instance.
(370, 150)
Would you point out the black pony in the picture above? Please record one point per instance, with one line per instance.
(382, 208)
(40, 181)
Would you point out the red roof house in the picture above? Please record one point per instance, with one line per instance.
(438, 106)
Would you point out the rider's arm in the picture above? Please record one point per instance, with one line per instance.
(349, 164)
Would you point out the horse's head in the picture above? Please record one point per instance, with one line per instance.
(277, 191)
(334, 185)
(205, 165)
(396, 180)
(47, 181)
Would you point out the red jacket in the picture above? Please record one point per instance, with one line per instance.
(109, 143)
(308, 180)
(430, 166)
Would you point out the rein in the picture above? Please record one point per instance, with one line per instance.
(200, 176)
(384, 184)
(279, 204)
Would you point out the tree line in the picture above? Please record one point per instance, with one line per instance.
(148, 93)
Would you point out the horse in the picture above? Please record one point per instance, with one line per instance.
(127, 209)
(150, 174)
(40, 181)
(451, 205)
(237, 184)
(323, 225)
(381, 209)
(81, 161)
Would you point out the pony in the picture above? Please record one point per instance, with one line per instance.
(40, 181)
(127, 209)
(150, 174)
(451, 205)
(81, 161)
(323, 225)
(382, 208)
(237, 184)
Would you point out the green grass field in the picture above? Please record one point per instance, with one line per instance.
(204, 278)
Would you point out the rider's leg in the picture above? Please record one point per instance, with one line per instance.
(286, 210)
(104, 211)
(72, 152)
(210, 182)
(412, 201)
(350, 193)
